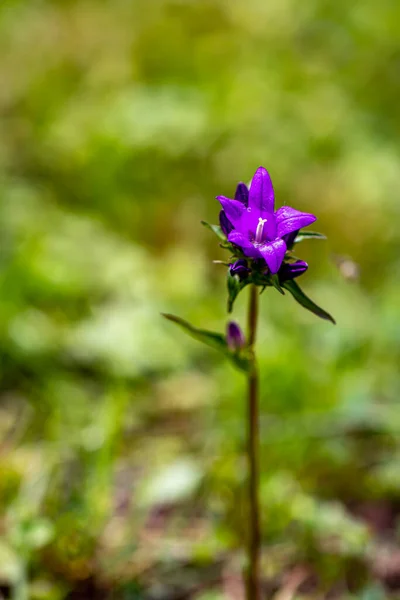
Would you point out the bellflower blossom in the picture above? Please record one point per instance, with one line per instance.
(251, 223)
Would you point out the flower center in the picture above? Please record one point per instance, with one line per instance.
(260, 230)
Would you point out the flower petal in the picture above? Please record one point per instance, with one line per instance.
(288, 219)
(261, 193)
(242, 193)
(244, 243)
(290, 238)
(273, 253)
(225, 223)
(234, 209)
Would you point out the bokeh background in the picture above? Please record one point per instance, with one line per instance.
(121, 440)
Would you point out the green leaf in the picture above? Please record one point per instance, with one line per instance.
(233, 283)
(305, 301)
(215, 229)
(240, 359)
(211, 338)
(307, 235)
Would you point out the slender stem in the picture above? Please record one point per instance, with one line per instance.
(253, 574)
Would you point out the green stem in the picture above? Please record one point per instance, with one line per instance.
(253, 574)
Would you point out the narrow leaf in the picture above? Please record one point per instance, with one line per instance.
(215, 229)
(307, 235)
(242, 360)
(211, 338)
(305, 301)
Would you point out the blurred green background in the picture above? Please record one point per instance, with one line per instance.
(122, 441)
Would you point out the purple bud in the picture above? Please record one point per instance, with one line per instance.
(292, 270)
(242, 193)
(235, 336)
(239, 268)
(225, 223)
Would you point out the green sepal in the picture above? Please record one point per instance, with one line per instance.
(307, 235)
(305, 301)
(289, 256)
(241, 359)
(215, 229)
(274, 279)
(235, 285)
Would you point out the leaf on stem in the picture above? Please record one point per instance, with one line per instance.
(215, 229)
(240, 359)
(305, 301)
(307, 235)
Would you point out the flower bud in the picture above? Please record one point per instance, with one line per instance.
(292, 270)
(239, 268)
(235, 337)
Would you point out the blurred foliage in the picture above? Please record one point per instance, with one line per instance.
(122, 465)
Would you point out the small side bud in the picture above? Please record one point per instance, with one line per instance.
(292, 270)
(239, 268)
(235, 337)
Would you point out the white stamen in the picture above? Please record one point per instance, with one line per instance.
(260, 229)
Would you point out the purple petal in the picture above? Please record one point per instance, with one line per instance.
(225, 223)
(273, 253)
(261, 194)
(235, 237)
(292, 270)
(234, 209)
(242, 193)
(290, 237)
(288, 219)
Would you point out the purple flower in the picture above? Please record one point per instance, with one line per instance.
(235, 336)
(256, 228)
(239, 268)
(292, 270)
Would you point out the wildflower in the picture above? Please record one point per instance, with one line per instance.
(235, 336)
(251, 223)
